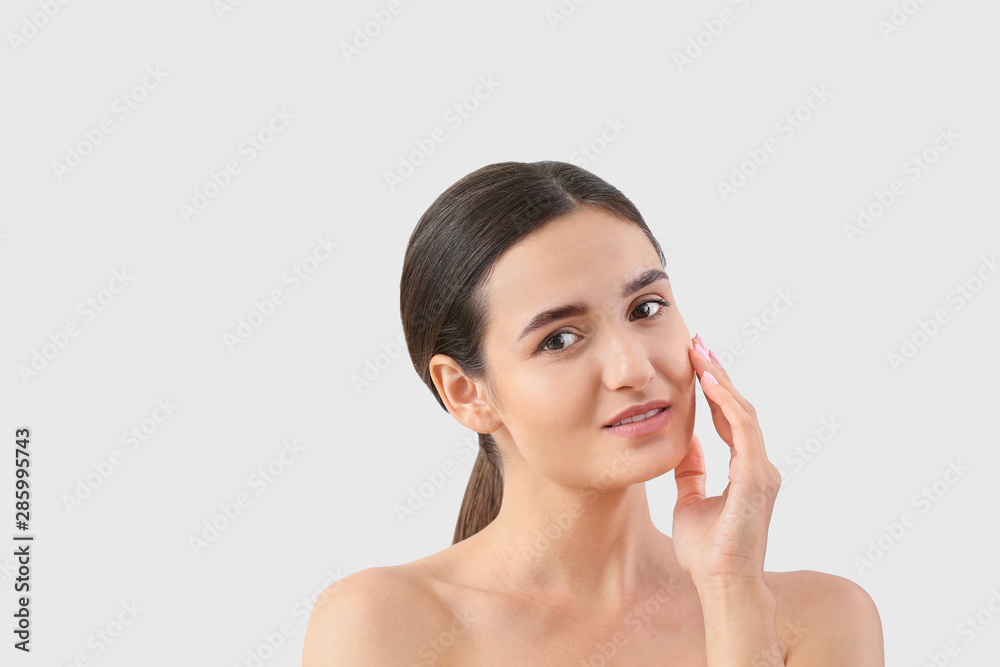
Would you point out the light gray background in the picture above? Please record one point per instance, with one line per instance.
(331, 510)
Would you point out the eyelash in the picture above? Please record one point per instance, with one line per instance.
(663, 306)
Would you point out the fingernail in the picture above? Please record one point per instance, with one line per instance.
(710, 377)
(702, 351)
(715, 358)
(701, 341)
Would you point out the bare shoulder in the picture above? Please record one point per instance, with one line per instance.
(377, 616)
(825, 619)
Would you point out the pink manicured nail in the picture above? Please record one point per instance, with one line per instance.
(702, 351)
(715, 358)
(710, 377)
(701, 341)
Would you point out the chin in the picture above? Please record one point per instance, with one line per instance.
(635, 465)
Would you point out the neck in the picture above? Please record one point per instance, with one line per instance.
(598, 547)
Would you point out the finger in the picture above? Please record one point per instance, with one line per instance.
(702, 360)
(690, 474)
(747, 439)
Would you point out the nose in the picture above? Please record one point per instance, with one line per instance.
(627, 363)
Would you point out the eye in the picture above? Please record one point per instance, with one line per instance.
(545, 345)
(644, 306)
(659, 311)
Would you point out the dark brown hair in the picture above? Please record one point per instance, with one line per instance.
(442, 301)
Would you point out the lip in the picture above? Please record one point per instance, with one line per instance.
(637, 410)
(647, 426)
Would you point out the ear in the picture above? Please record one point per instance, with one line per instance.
(464, 398)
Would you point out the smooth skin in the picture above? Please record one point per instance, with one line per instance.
(572, 571)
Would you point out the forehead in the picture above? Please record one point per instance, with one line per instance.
(583, 257)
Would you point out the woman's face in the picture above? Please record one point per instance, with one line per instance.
(561, 383)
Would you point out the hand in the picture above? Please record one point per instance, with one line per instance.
(720, 541)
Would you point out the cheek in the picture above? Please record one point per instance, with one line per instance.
(673, 362)
(549, 416)
(551, 384)
(553, 402)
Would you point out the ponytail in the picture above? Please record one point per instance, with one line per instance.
(484, 492)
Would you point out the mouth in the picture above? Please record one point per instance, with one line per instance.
(641, 425)
(638, 413)
(637, 418)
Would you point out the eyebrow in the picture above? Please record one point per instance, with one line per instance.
(575, 309)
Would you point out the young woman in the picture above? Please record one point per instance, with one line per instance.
(537, 310)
